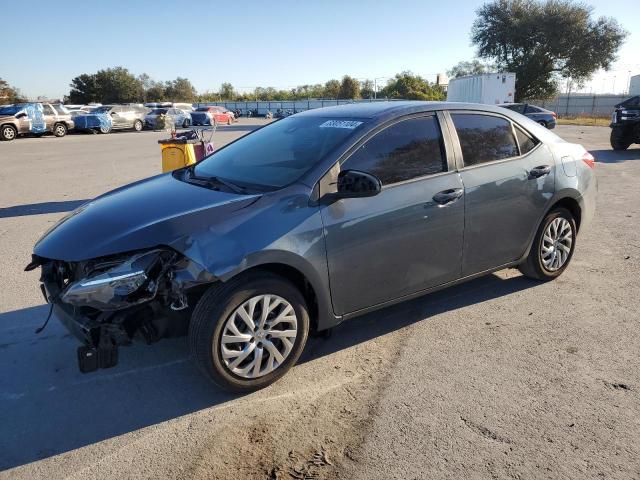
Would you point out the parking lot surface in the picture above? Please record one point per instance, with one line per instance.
(502, 377)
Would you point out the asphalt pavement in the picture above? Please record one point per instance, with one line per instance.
(502, 377)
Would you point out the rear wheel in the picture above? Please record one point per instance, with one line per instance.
(619, 139)
(59, 129)
(543, 123)
(137, 125)
(552, 246)
(248, 332)
(8, 133)
(105, 129)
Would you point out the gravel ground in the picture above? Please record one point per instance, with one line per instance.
(501, 377)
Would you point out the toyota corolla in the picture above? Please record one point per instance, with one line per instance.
(310, 221)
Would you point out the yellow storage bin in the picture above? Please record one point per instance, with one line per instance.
(177, 154)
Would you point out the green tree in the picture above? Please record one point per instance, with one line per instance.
(227, 92)
(180, 90)
(8, 94)
(332, 89)
(473, 67)
(367, 89)
(542, 42)
(112, 85)
(349, 88)
(118, 85)
(83, 89)
(156, 92)
(408, 86)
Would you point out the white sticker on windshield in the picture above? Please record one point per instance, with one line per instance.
(350, 124)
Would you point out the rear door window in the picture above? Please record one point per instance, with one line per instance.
(48, 110)
(408, 149)
(484, 138)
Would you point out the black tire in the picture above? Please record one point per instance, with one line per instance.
(138, 125)
(533, 266)
(8, 133)
(59, 130)
(211, 314)
(185, 123)
(104, 130)
(543, 123)
(619, 139)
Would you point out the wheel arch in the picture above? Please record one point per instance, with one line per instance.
(299, 271)
(570, 204)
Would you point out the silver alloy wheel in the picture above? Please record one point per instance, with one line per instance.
(60, 131)
(9, 133)
(258, 336)
(556, 244)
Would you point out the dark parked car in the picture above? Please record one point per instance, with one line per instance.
(544, 117)
(625, 124)
(309, 221)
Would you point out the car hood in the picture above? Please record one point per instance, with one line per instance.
(7, 117)
(161, 210)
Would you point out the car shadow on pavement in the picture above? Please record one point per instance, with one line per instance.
(47, 407)
(40, 208)
(613, 156)
(382, 322)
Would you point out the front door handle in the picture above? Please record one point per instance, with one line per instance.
(540, 171)
(448, 196)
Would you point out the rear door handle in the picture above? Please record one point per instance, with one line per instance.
(540, 171)
(448, 196)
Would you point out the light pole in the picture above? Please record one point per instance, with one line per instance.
(375, 86)
(614, 85)
(628, 82)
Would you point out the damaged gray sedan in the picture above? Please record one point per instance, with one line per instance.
(309, 221)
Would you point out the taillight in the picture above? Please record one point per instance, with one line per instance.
(589, 160)
(554, 115)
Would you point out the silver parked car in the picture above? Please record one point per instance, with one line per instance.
(309, 221)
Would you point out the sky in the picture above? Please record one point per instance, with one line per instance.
(257, 43)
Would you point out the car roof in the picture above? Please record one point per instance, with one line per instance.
(392, 108)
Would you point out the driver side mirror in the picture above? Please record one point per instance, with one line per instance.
(357, 184)
(21, 115)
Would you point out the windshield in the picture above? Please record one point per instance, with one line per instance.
(158, 111)
(280, 153)
(10, 110)
(202, 109)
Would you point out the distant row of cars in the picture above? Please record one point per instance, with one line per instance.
(41, 118)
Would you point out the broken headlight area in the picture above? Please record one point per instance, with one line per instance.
(111, 301)
(124, 284)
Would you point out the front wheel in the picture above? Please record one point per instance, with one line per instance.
(552, 246)
(543, 123)
(248, 332)
(137, 125)
(619, 139)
